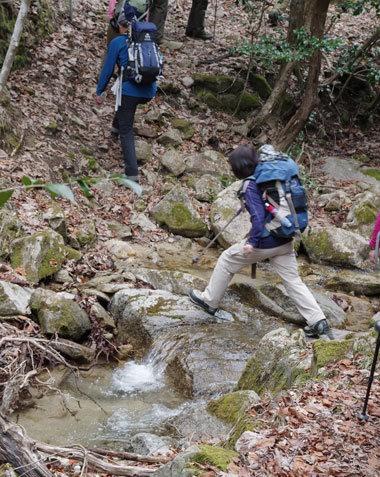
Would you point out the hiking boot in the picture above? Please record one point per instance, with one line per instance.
(200, 35)
(319, 328)
(199, 302)
(132, 178)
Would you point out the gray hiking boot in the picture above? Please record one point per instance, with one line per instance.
(319, 328)
(199, 302)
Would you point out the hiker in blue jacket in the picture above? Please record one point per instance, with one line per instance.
(256, 248)
(132, 94)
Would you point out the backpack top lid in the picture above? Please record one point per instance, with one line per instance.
(274, 165)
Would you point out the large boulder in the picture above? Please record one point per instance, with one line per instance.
(336, 246)
(203, 354)
(208, 162)
(174, 162)
(363, 213)
(207, 188)
(365, 283)
(222, 209)
(279, 362)
(14, 300)
(41, 254)
(57, 314)
(179, 214)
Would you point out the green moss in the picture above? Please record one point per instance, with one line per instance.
(216, 456)
(373, 173)
(51, 263)
(72, 254)
(229, 408)
(366, 214)
(210, 99)
(325, 352)
(184, 126)
(322, 248)
(218, 84)
(261, 85)
(249, 102)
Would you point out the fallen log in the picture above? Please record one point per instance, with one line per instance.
(17, 449)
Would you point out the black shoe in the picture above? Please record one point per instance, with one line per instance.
(200, 35)
(319, 328)
(197, 301)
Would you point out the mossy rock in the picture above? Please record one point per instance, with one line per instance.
(288, 106)
(249, 102)
(366, 214)
(185, 126)
(218, 84)
(11, 229)
(216, 456)
(41, 255)
(170, 89)
(326, 352)
(231, 407)
(210, 99)
(260, 85)
(278, 363)
(86, 234)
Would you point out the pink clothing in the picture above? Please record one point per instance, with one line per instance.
(376, 230)
(111, 8)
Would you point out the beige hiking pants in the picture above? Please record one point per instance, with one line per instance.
(283, 260)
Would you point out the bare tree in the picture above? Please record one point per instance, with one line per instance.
(11, 53)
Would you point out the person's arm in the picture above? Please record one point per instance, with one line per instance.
(108, 67)
(372, 243)
(256, 209)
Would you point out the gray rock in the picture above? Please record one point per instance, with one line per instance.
(208, 162)
(178, 466)
(59, 315)
(10, 229)
(172, 137)
(207, 188)
(174, 282)
(174, 162)
(177, 212)
(75, 351)
(86, 234)
(222, 210)
(102, 317)
(119, 249)
(63, 276)
(366, 284)
(14, 299)
(144, 443)
(142, 221)
(54, 216)
(121, 231)
(187, 81)
(363, 213)
(335, 246)
(41, 254)
(143, 151)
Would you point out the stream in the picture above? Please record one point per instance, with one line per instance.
(108, 405)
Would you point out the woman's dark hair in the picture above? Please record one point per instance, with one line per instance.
(243, 161)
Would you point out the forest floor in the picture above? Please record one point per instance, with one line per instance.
(309, 431)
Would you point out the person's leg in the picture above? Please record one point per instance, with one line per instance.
(286, 266)
(125, 116)
(230, 262)
(157, 15)
(195, 24)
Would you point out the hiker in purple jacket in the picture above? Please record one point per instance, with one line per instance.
(372, 243)
(256, 248)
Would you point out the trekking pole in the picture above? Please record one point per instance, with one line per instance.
(377, 251)
(71, 11)
(216, 10)
(196, 259)
(363, 416)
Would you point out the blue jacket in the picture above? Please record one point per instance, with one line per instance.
(255, 207)
(117, 50)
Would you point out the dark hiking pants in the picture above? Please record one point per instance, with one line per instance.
(157, 15)
(195, 23)
(123, 122)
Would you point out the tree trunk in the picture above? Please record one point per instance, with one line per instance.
(17, 449)
(11, 53)
(269, 111)
(318, 13)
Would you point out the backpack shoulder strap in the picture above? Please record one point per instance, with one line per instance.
(243, 189)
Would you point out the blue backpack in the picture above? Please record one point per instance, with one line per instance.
(144, 60)
(283, 194)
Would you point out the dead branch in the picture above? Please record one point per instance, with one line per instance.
(93, 463)
(129, 456)
(17, 449)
